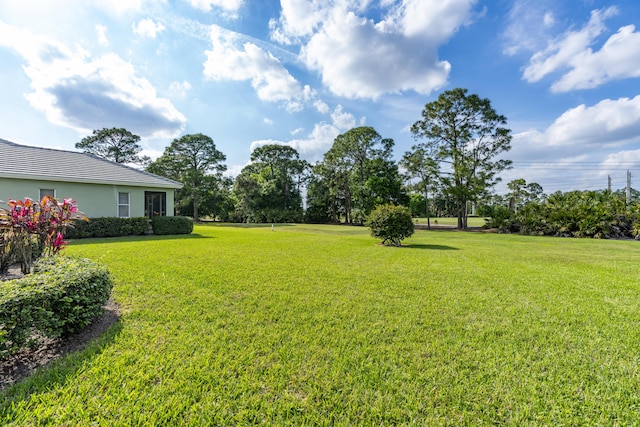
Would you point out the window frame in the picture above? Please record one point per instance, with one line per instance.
(46, 191)
(122, 205)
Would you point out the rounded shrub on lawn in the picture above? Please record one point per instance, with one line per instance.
(390, 223)
(162, 225)
(62, 296)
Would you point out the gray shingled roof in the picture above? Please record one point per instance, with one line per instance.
(24, 162)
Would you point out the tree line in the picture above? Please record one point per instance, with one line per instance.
(450, 170)
(455, 162)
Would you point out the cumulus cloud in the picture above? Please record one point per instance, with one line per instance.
(584, 67)
(248, 62)
(358, 57)
(600, 138)
(609, 123)
(84, 93)
(320, 139)
(148, 28)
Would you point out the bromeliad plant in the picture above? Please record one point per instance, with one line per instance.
(29, 229)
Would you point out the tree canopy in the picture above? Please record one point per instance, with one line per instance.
(359, 174)
(115, 144)
(194, 161)
(269, 189)
(468, 136)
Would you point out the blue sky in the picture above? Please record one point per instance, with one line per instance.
(566, 74)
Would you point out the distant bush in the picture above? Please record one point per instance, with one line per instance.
(390, 223)
(163, 225)
(62, 296)
(108, 227)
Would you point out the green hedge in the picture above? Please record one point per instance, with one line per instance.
(171, 225)
(61, 296)
(108, 227)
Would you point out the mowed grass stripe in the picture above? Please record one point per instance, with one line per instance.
(319, 325)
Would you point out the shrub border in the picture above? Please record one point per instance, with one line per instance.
(61, 296)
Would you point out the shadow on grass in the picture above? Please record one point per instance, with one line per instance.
(57, 372)
(433, 247)
(145, 238)
(245, 225)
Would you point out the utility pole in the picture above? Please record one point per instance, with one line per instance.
(628, 186)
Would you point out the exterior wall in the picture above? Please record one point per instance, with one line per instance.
(95, 200)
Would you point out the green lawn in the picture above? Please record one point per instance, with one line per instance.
(319, 325)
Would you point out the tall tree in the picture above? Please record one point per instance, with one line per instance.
(422, 165)
(523, 193)
(359, 169)
(269, 189)
(115, 144)
(468, 136)
(195, 162)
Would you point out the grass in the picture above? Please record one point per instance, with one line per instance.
(319, 325)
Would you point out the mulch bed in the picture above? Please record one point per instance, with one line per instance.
(20, 365)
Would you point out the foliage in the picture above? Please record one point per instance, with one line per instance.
(115, 144)
(465, 133)
(500, 217)
(597, 214)
(62, 296)
(390, 223)
(359, 174)
(30, 230)
(163, 225)
(194, 161)
(108, 227)
(420, 164)
(269, 189)
(523, 193)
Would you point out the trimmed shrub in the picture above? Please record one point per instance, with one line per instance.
(62, 296)
(390, 223)
(108, 227)
(163, 225)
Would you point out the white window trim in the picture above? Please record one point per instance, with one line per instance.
(128, 204)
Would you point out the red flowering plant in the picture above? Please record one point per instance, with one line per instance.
(30, 230)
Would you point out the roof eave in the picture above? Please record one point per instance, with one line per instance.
(33, 177)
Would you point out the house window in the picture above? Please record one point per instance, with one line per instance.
(47, 192)
(155, 203)
(123, 205)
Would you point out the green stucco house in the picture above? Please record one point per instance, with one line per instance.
(101, 188)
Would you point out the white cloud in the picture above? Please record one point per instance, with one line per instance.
(120, 7)
(549, 20)
(148, 28)
(84, 93)
(180, 88)
(266, 73)
(267, 121)
(231, 6)
(618, 58)
(346, 46)
(341, 119)
(321, 106)
(101, 30)
(609, 123)
(320, 139)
